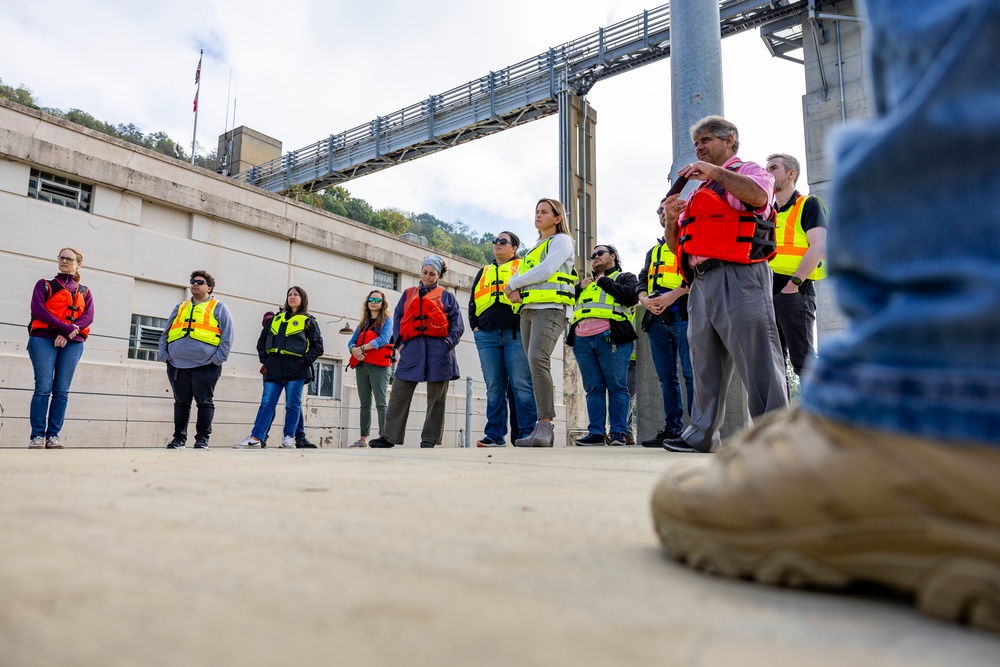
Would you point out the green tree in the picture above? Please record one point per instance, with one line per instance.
(390, 220)
(440, 239)
(471, 253)
(20, 95)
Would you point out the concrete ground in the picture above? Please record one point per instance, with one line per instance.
(396, 557)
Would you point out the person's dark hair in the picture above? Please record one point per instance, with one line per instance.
(366, 317)
(304, 308)
(718, 127)
(202, 273)
(514, 240)
(444, 270)
(613, 250)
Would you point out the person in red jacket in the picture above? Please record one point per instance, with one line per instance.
(62, 311)
(371, 359)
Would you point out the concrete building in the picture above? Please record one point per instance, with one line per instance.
(143, 222)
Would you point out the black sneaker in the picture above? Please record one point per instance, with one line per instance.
(680, 445)
(591, 440)
(657, 440)
(426, 445)
(487, 441)
(380, 443)
(617, 439)
(303, 443)
(201, 444)
(176, 444)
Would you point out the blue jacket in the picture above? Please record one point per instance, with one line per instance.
(425, 359)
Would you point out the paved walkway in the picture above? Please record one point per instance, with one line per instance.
(399, 557)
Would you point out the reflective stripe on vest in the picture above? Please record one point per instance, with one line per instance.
(423, 315)
(662, 271)
(793, 242)
(594, 302)
(559, 288)
(196, 320)
(489, 289)
(287, 335)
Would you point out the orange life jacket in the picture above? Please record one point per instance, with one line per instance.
(64, 305)
(378, 357)
(715, 229)
(423, 315)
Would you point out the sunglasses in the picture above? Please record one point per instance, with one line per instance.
(374, 299)
(198, 281)
(598, 253)
(501, 242)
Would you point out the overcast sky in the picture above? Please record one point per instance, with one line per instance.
(305, 69)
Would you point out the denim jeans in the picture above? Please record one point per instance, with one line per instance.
(505, 366)
(268, 402)
(300, 430)
(914, 241)
(666, 343)
(54, 368)
(604, 368)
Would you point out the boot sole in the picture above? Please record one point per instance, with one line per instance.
(951, 568)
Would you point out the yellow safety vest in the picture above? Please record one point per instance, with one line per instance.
(595, 302)
(793, 243)
(490, 288)
(557, 288)
(287, 335)
(662, 272)
(196, 320)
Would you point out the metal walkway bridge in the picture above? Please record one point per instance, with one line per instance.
(514, 95)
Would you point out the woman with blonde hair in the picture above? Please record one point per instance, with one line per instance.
(545, 285)
(62, 311)
(371, 358)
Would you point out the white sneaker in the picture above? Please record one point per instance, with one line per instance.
(38, 442)
(358, 443)
(248, 442)
(53, 443)
(288, 442)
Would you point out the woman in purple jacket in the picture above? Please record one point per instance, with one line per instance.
(62, 311)
(427, 326)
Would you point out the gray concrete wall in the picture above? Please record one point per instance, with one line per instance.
(154, 220)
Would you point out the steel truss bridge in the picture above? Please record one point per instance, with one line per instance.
(519, 93)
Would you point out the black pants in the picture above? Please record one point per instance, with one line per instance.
(795, 315)
(193, 383)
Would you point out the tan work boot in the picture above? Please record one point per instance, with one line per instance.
(805, 501)
(541, 436)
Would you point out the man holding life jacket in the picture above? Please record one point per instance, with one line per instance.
(602, 337)
(195, 345)
(723, 235)
(800, 259)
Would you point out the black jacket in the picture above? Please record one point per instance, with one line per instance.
(623, 289)
(284, 367)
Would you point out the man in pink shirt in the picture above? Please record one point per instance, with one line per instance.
(730, 311)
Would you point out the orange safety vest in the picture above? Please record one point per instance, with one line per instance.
(715, 229)
(64, 306)
(381, 356)
(423, 315)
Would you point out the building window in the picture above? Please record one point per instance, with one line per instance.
(326, 379)
(386, 279)
(59, 190)
(144, 338)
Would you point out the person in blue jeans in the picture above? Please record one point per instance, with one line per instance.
(495, 325)
(62, 311)
(664, 296)
(889, 472)
(287, 347)
(602, 336)
(301, 442)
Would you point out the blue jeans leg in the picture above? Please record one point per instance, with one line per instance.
(614, 360)
(586, 349)
(519, 383)
(679, 330)
(489, 344)
(293, 406)
(53, 370)
(663, 347)
(265, 413)
(919, 279)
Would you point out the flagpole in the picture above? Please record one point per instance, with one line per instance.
(197, 80)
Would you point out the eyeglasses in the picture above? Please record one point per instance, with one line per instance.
(374, 299)
(659, 211)
(198, 281)
(501, 242)
(66, 259)
(598, 253)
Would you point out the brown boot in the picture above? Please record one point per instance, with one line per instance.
(541, 436)
(805, 501)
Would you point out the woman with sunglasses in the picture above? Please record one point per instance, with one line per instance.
(62, 311)
(545, 285)
(371, 357)
(287, 348)
(427, 327)
(495, 323)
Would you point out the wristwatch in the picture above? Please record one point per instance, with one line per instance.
(796, 281)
